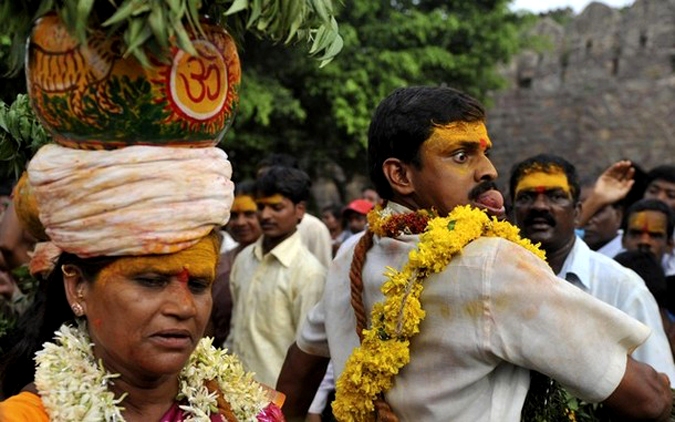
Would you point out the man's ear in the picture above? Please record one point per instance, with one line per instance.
(398, 175)
(300, 209)
(577, 213)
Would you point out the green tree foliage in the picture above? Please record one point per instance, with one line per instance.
(321, 115)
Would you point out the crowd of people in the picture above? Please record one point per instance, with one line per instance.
(430, 297)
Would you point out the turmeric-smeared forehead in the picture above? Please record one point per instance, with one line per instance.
(243, 203)
(648, 221)
(455, 133)
(197, 261)
(270, 200)
(540, 177)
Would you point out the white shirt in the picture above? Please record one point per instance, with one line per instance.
(316, 236)
(271, 294)
(622, 288)
(668, 263)
(495, 310)
(613, 247)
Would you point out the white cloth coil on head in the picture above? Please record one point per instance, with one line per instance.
(136, 200)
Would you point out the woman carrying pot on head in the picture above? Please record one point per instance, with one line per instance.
(115, 333)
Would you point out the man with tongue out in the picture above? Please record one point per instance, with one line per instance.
(545, 193)
(494, 312)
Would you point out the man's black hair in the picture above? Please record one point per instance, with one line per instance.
(664, 172)
(406, 118)
(292, 183)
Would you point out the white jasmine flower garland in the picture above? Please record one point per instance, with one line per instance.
(74, 386)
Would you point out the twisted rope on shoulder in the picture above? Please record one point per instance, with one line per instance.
(383, 411)
(356, 281)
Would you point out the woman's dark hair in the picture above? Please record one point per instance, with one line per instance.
(37, 325)
(406, 118)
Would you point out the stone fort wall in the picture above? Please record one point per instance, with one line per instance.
(601, 90)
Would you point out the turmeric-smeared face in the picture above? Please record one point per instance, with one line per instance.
(455, 169)
(544, 207)
(146, 314)
(244, 225)
(647, 231)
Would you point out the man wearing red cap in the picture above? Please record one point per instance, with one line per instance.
(355, 215)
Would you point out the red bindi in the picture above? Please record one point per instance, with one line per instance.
(540, 189)
(645, 228)
(483, 143)
(183, 276)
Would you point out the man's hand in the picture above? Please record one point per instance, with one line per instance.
(642, 395)
(299, 380)
(614, 183)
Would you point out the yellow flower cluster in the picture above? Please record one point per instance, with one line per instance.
(371, 368)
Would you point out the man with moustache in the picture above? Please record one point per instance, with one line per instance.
(545, 194)
(490, 314)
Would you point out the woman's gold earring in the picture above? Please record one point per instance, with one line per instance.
(77, 309)
(66, 273)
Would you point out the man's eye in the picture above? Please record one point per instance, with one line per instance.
(199, 285)
(524, 198)
(461, 157)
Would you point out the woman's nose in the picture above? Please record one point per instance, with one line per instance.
(180, 300)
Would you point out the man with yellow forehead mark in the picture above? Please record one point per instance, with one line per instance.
(431, 316)
(649, 226)
(545, 195)
(244, 228)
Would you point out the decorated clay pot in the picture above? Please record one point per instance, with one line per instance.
(91, 97)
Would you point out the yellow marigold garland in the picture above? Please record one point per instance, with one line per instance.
(371, 368)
